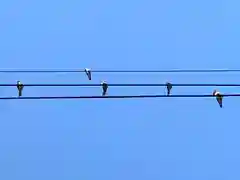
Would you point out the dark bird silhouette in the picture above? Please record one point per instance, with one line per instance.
(20, 88)
(169, 88)
(219, 97)
(88, 73)
(104, 87)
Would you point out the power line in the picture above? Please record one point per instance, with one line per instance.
(123, 71)
(113, 97)
(126, 85)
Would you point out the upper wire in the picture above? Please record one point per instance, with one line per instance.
(122, 71)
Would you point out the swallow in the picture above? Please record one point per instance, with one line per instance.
(219, 97)
(20, 88)
(88, 73)
(104, 88)
(169, 88)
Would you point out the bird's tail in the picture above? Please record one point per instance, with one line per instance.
(168, 92)
(90, 76)
(104, 92)
(20, 93)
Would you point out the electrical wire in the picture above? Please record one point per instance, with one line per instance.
(123, 71)
(126, 85)
(114, 97)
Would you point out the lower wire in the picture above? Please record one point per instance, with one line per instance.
(115, 97)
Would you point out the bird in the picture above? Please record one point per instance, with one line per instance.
(219, 97)
(88, 73)
(104, 87)
(20, 88)
(169, 88)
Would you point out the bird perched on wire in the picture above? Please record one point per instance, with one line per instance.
(88, 73)
(20, 88)
(219, 97)
(104, 87)
(169, 88)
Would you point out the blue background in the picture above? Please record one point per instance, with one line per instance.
(144, 139)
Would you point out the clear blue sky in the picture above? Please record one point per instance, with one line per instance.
(144, 139)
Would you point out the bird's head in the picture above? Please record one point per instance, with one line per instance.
(214, 92)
